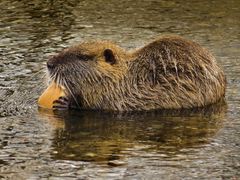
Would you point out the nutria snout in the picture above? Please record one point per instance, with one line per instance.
(168, 73)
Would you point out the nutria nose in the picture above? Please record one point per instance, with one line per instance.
(51, 63)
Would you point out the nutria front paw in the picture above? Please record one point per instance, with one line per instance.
(61, 104)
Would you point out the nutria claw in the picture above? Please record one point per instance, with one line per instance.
(61, 104)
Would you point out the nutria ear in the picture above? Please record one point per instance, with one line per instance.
(109, 56)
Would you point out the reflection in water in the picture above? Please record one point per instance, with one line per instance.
(99, 136)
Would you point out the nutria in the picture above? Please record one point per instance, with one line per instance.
(168, 73)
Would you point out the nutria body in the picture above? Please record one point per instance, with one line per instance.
(168, 73)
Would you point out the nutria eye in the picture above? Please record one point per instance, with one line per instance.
(109, 56)
(84, 57)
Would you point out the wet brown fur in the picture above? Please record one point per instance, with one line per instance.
(168, 73)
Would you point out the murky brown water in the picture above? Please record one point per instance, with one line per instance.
(87, 145)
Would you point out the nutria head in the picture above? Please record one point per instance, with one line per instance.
(88, 70)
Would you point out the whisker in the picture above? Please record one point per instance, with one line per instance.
(54, 75)
(66, 85)
(57, 79)
(43, 76)
(38, 72)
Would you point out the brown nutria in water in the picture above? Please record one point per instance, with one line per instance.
(168, 73)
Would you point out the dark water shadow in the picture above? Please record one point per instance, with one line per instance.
(101, 136)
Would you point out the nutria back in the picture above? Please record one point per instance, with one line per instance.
(168, 73)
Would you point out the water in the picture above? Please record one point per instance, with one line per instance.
(38, 144)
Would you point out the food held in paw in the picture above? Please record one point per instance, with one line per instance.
(52, 93)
